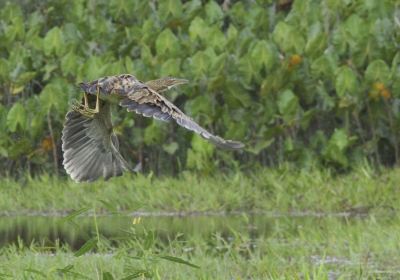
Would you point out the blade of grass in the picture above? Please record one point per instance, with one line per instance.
(68, 271)
(138, 273)
(178, 260)
(32, 270)
(89, 245)
(74, 214)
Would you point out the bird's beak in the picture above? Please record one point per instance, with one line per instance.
(180, 81)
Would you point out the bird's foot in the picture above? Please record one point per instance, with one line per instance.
(84, 109)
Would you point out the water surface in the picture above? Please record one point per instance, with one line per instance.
(47, 230)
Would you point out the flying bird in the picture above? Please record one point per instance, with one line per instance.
(91, 148)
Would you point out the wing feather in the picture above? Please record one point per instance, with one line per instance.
(90, 148)
(149, 103)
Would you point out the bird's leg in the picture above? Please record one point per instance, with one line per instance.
(84, 109)
(86, 100)
(97, 108)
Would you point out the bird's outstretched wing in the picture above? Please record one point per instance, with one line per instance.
(90, 147)
(147, 102)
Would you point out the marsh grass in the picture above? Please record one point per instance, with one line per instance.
(277, 190)
(293, 248)
(363, 244)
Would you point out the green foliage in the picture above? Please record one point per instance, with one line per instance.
(288, 104)
(199, 157)
(378, 70)
(16, 117)
(346, 82)
(292, 81)
(337, 146)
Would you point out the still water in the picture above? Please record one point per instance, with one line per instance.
(338, 244)
(47, 231)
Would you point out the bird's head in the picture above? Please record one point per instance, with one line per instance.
(83, 86)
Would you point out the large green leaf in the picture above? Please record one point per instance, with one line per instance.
(288, 38)
(167, 44)
(325, 66)
(200, 63)
(213, 12)
(12, 23)
(288, 104)
(170, 7)
(216, 39)
(346, 82)
(69, 63)
(355, 29)
(198, 28)
(263, 53)
(317, 41)
(53, 95)
(232, 34)
(93, 68)
(378, 70)
(337, 146)
(54, 41)
(146, 55)
(170, 68)
(25, 77)
(16, 117)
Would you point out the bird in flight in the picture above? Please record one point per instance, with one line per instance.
(90, 147)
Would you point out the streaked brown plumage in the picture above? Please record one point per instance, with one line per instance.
(91, 148)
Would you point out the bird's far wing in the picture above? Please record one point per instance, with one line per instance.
(90, 147)
(149, 103)
(164, 84)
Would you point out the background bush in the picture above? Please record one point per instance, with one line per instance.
(312, 82)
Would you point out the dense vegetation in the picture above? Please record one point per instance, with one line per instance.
(314, 82)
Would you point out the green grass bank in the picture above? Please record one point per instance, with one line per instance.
(275, 190)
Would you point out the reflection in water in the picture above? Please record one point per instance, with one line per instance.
(47, 231)
(333, 243)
